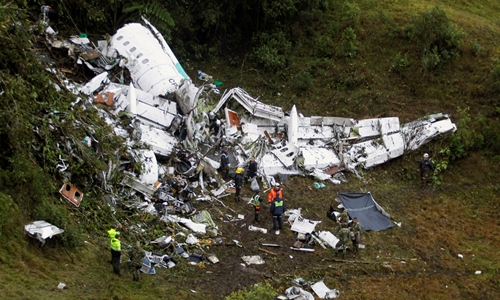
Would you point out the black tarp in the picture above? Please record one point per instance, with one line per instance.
(370, 215)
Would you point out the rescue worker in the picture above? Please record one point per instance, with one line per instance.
(238, 182)
(355, 235)
(276, 191)
(256, 201)
(278, 207)
(112, 233)
(215, 123)
(425, 166)
(224, 164)
(252, 169)
(136, 254)
(116, 251)
(344, 218)
(343, 239)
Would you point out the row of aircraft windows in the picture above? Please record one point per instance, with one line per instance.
(144, 61)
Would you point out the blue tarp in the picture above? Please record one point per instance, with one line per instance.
(370, 215)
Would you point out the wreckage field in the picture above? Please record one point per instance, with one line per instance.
(129, 173)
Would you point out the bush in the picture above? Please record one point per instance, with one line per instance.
(350, 14)
(494, 80)
(324, 46)
(399, 64)
(349, 48)
(272, 50)
(435, 36)
(476, 48)
(257, 292)
(9, 217)
(302, 82)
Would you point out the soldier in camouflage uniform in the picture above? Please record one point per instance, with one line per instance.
(136, 254)
(355, 235)
(344, 239)
(344, 218)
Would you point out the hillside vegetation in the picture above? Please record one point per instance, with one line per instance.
(359, 59)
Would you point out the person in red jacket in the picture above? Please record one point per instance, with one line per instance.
(276, 191)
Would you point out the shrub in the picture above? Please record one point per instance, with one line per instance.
(399, 64)
(494, 80)
(349, 48)
(435, 36)
(324, 46)
(350, 13)
(469, 136)
(272, 50)
(257, 292)
(476, 48)
(302, 82)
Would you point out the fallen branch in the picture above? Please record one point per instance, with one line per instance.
(267, 251)
(350, 261)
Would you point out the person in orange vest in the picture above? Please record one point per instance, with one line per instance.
(276, 191)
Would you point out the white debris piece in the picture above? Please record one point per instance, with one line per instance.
(149, 166)
(42, 230)
(61, 285)
(319, 158)
(196, 227)
(328, 238)
(322, 290)
(255, 228)
(255, 107)
(160, 141)
(95, 83)
(298, 293)
(191, 239)
(253, 260)
(420, 132)
(303, 225)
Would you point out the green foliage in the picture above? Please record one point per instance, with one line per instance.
(350, 14)
(399, 64)
(469, 136)
(476, 48)
(349, 80)
(9, 217)
(272, 50)
(302, 82)
(439, 168)
(436, 37)
(257, 292)
(494, 80)
(349, 48)
(324, 46)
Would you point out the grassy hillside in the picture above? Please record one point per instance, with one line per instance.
(379, 72)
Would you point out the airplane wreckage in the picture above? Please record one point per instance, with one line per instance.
(174, 119)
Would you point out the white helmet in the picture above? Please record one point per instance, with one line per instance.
(211, 115)
(277, 184)
(426, 155)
